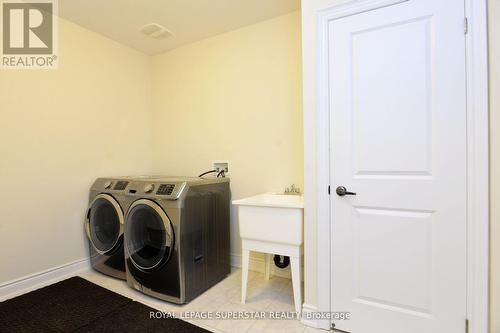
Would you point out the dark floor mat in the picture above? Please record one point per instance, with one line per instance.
(121, 322)
(79, 305)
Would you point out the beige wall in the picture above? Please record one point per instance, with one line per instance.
(59, 129)
(494, 47)
(235, 97)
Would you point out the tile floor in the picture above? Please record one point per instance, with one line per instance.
(272, 295)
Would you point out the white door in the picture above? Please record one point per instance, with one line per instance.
(398, 140)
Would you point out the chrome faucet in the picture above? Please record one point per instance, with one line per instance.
(292, 190)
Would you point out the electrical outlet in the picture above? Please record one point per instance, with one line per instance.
(221, 165)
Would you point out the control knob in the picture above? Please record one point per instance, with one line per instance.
(149, 188)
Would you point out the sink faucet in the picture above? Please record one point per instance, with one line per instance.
(292, 190)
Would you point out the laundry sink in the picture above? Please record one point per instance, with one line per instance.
(272, 223)
(271, 217)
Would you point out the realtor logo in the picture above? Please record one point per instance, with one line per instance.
(29, 34)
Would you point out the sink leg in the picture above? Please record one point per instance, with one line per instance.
(297, 294)
(267, 262)
(244, 274)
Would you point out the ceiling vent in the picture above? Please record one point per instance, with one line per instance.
(155, 31)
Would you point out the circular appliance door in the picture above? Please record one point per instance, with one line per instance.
(149, 237)
(104, 223)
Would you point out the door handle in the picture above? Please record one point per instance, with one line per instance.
(87, 223)
(87, 228)
(341, 191)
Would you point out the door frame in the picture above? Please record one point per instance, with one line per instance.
(316, 134)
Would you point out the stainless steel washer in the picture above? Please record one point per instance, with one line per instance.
(177, 236)
(104, 225)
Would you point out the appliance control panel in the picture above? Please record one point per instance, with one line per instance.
(120, 185)
(115, 185)
(153, 188)
(165, 190)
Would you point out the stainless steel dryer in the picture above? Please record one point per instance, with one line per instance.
(104, 225)
(177, 236)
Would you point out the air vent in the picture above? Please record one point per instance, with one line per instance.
(155, 31)
(120, 186)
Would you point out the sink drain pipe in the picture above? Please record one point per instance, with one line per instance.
(281, 261)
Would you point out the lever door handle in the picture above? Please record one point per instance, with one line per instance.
(341, 191)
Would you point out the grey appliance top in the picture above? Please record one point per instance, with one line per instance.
(167, 187)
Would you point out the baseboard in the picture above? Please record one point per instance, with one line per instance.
(31, 282)
(308, 317)
(257, 265)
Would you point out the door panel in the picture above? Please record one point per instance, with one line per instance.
(148, 235)
(403, 245)
(104, 223)
(395, 140)
(397, 130)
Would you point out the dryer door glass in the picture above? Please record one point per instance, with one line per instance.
(104, 225)
(148, 236)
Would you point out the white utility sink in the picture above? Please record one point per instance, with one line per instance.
(271, 217)
(273, 200)
(273, 224)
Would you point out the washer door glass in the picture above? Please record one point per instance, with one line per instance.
(104, 225)
(148, 235)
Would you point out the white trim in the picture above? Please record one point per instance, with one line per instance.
(323, 174)
(257, 265)
(308, 319)
(477, 158)
(478, 166)
(356, 7)
(31, 282)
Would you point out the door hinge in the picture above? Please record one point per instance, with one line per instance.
(466, 325)
(328, 189)
(466, 25)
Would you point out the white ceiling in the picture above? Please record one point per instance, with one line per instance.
(188, 20)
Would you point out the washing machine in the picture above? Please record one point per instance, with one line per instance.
(177, 236)
(104, 225)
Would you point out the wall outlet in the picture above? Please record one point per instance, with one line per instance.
(221, 165)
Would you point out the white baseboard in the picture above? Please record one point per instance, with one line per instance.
(309, 320)
(257, 265)
(31, 282)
